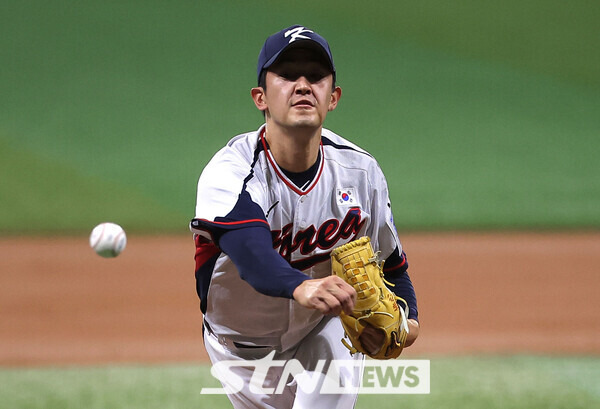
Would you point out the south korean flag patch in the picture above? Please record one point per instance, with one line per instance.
(346, 196)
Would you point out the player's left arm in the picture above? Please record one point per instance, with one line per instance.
(402, 286)
(395, 268)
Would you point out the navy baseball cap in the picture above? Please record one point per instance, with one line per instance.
(284, 39)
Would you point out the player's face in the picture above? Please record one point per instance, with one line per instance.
(299, 90)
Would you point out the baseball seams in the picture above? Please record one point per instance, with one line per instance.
(108, 239)
(100, 236)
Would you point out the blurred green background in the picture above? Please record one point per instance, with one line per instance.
(483, 115)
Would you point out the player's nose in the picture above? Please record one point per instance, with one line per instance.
(303, 85)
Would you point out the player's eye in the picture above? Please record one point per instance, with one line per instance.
(288, 76)
(315, 77)
(312, 77)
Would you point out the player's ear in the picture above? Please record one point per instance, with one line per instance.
(258, 96)
(336, 94)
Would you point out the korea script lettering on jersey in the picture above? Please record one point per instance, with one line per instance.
(243, 186)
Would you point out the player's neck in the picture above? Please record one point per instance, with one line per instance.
(294, 151)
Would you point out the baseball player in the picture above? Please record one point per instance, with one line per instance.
(271, 205)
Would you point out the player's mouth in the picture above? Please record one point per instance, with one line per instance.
(303, 103)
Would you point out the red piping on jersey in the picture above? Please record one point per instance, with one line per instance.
(205, 250)
(282, 177)
(396, 266)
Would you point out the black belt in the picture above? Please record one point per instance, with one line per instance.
(238, 345)
(235, 344)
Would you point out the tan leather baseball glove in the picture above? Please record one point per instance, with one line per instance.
(376, 305)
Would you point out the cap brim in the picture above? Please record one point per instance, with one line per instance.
(307, 44)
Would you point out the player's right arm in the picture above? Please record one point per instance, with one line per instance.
(251, 250)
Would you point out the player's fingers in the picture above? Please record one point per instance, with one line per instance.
(334, 306)
(372, 339)
(345, 294)
(327, 305)
(340, 301)
(330, 295)
(337, 282)
(345, 298)
(332, 298)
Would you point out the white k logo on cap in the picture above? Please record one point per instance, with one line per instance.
(296, 34)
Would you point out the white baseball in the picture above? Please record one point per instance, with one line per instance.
(108, 239)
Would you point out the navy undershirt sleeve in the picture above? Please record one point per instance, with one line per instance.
(251, 250)
(396, 272)
(404, 288)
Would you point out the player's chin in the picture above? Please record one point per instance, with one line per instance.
(306, 122)
(308, 116)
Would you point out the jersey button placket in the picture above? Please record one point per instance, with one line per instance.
(300, 221)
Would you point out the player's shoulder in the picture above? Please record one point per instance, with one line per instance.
(232, 163)
(347, 154)
(244, 142)
(339, 143)
(240, 147)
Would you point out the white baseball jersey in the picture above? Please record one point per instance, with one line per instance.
(242, 186)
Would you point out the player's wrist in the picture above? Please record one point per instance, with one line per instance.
(297, 288)
(413, 331)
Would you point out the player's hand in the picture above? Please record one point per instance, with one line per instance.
(331, 295)
(372, 338)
